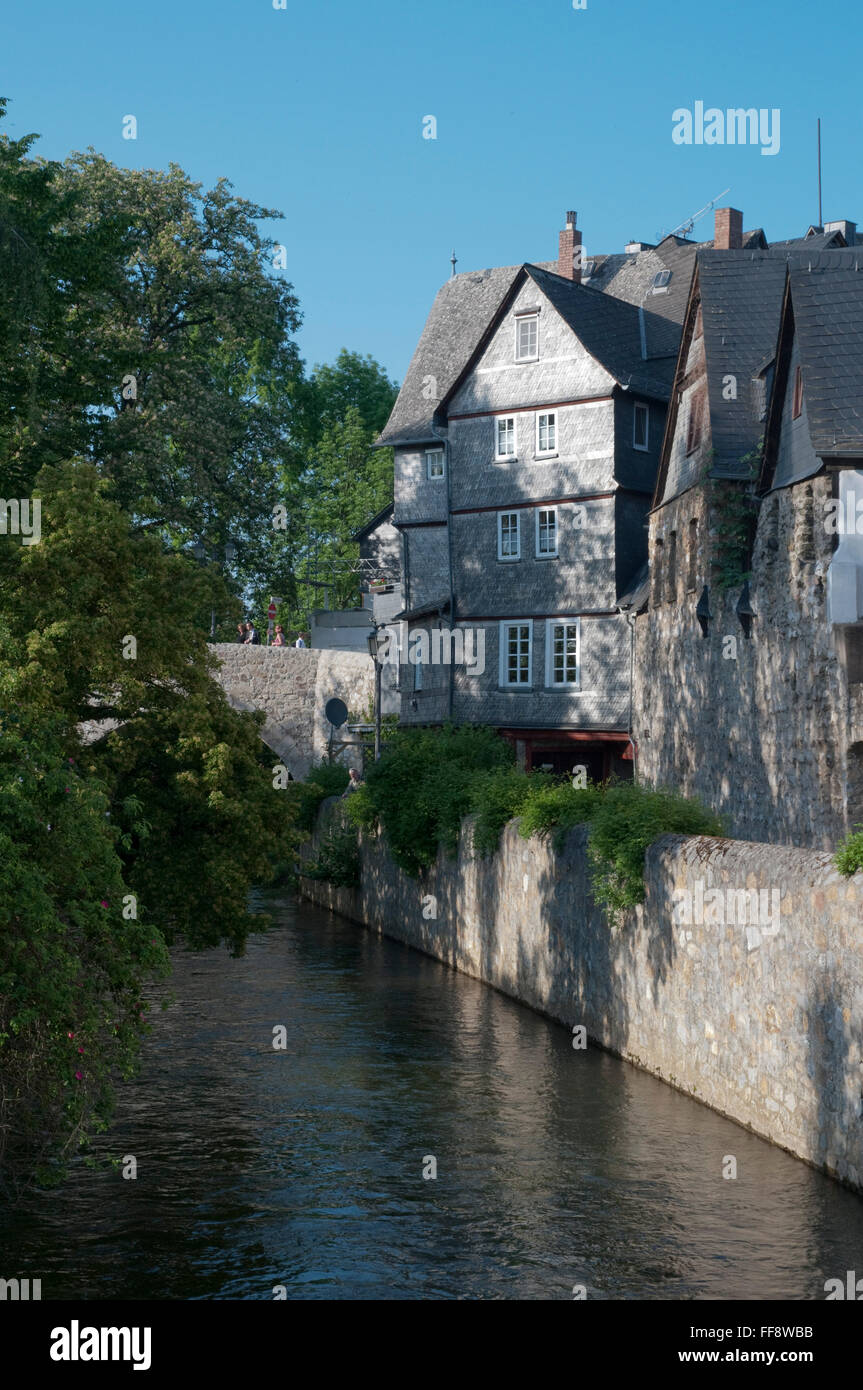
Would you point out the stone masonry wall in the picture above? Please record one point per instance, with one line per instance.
(292, 687)
(761, 1021)
(765, 729)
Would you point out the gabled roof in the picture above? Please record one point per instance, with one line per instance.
(457, 321)
(465, 305)
(814, 241)
(823, 310)
(610, 330)
(741, 295)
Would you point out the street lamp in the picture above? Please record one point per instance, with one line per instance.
(374, 653)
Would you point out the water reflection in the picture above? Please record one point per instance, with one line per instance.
(304, 1168)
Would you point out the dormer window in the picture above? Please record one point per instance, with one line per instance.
(527, 338)
(660, 282)
(797, 399)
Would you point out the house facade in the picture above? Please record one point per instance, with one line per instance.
(526, 439)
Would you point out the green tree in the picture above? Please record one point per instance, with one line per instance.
(150, 335)
(343, 483)
(175, 806)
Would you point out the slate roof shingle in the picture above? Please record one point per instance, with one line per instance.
(828, 319)
(610, 331)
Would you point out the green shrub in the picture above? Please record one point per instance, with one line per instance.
(338, 857)
(558, 806)
(428, 780)
(331, 776)
(849, 856)
(423, 787)
(499, 796)
(304, 800)
(628, 818)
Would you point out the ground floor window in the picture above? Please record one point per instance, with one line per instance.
(516, 650)
(562, 656)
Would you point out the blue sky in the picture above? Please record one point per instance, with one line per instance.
(318, 109)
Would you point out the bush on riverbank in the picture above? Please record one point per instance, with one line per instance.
(849, 855)
(428, 780)
(304, 798)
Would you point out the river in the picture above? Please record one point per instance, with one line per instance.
(262, 1170)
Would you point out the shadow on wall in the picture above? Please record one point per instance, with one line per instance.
(834, 1068)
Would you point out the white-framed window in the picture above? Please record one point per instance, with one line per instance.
(546, 531)
(546, 432)
(516, 654)
(527, 338)
(504, 437)
(640, 426)
(435, 467)
(562, 653)
(508, 536)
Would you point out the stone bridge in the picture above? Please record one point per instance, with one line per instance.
(292, 687)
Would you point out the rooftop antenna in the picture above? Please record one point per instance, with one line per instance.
(684, 228)
(820, 219)
(453, 262)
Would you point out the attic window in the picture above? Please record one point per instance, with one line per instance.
(797, 401)
(527, 338)
(588, 268)
(660, 282)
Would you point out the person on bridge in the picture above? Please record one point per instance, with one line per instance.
(241, 632)
(280, 640)
(299, 642)
(252, 637)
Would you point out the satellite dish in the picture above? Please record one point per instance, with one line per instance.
(336, 712)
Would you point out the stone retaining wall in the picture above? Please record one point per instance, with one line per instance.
(760, 1019)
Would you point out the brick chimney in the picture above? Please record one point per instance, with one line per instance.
(569, 242)
(728, 230)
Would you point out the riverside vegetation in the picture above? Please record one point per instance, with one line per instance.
(154, 402)
(428, 780)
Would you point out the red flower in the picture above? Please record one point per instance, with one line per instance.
(79, 1076)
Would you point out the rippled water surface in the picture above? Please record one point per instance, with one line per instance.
(304, 1167)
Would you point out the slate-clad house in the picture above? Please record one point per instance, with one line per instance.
(526, 438)
(749, 663)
